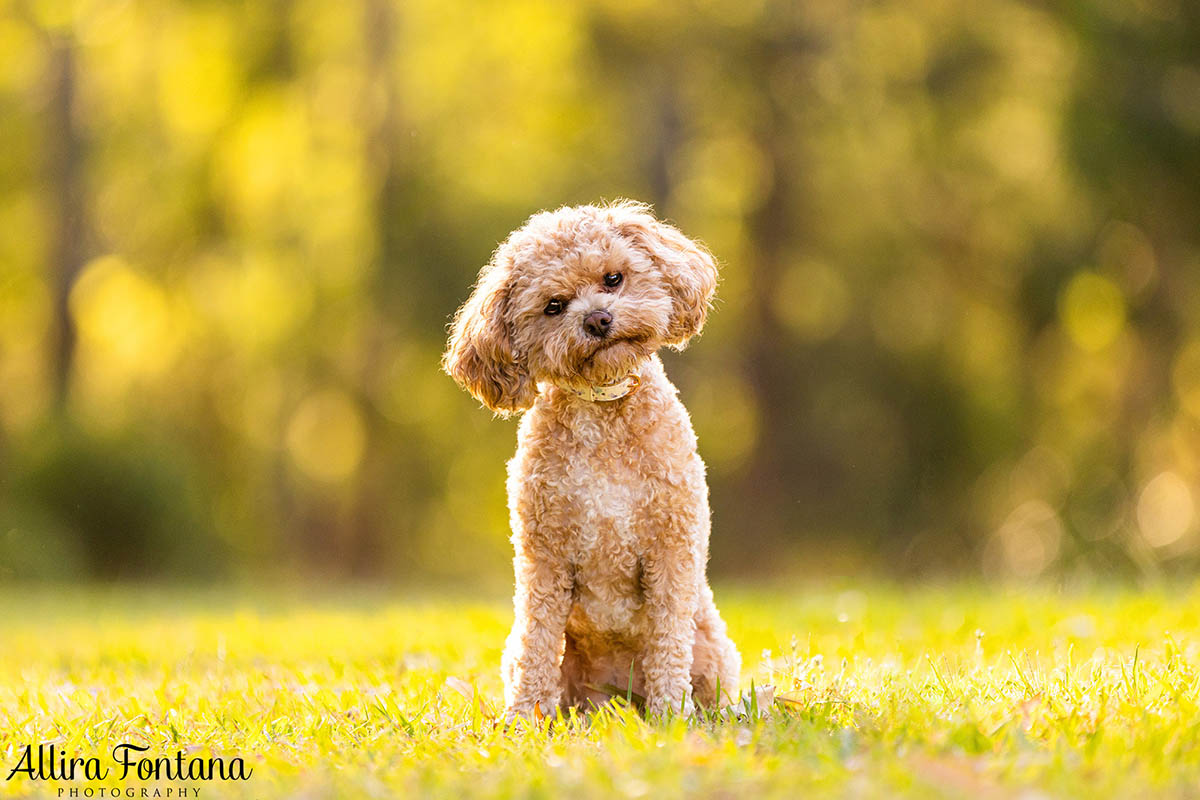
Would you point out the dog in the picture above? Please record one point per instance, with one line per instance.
(607, 494)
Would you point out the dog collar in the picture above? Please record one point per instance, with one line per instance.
(609, 391)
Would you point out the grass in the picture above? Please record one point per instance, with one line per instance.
(882, 691)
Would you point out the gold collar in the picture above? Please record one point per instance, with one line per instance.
(609, 391)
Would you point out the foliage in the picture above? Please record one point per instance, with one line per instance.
(948, 692)
(960, 243)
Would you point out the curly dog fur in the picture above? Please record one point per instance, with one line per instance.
(608, 500)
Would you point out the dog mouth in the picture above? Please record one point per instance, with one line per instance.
(608, 344)
(611, 358)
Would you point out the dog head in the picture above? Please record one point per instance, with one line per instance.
(578, 297)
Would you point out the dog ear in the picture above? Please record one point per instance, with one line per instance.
(479, 355)
(688, 267)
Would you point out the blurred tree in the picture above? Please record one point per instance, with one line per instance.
(957, 326)
(64, 167)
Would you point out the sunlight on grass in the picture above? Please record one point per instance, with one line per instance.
(881, 691)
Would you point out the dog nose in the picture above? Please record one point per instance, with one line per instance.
(596, 323)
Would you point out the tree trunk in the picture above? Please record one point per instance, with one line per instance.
(65, 156)
(368, 525)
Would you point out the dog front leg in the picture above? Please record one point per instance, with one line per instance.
(532, 655)
(670, 584)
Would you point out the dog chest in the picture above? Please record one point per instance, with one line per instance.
(603, 512)
(603, 550)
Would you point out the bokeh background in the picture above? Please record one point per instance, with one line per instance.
(958, 330)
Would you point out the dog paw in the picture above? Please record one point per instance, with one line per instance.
(682, 705)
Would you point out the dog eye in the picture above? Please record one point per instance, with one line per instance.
(554, 307)
(613, 279)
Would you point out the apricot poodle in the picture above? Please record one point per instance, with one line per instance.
(607, 494)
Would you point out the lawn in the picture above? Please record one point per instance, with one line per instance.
(882, 691)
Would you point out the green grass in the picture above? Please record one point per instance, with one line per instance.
(884, 691)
